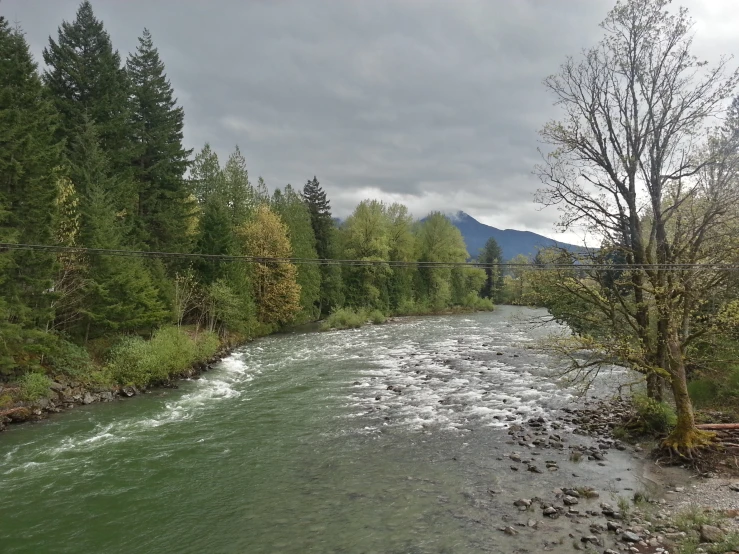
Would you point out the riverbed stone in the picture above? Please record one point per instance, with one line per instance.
(711, 533)
(630, 536)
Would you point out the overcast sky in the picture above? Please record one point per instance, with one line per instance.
(434, 103)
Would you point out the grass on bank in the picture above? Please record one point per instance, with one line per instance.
(131, 360)
(135, 361)
(350, 318)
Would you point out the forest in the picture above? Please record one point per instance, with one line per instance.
(92, 160)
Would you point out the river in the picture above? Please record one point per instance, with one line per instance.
(293, 444)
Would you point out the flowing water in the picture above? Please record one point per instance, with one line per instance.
(294, 444)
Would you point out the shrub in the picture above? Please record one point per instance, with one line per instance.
(34, 386)
(702, 392)
(344, 318)
(68, 358)
(135, 361)
(656, 417)
(377, 317)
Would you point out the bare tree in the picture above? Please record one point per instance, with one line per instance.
(632, 161)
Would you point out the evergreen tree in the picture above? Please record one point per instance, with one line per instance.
(492, 254)
(241, 196)
(86, 81)
(323, 228)
(296, 217)
(215, 237)
(163, 201)
(320, 216)
(29, 156)
(206, 177)
(119, 293)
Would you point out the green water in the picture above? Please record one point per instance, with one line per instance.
(285, 448)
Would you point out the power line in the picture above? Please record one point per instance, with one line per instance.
(579, 264)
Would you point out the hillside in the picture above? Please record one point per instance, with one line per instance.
(511, 241)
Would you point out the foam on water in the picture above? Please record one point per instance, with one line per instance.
(223, 383)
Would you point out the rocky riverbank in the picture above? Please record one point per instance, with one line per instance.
(700, 515)
(66, 394)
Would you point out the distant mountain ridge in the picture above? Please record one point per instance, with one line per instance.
(511, 241)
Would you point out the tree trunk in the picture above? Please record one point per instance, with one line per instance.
(655, 387)
(686, 437)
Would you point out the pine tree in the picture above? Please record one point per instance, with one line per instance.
(323, 228)
(119, 293)
(159, 167)
(215, 237)
(86, 81)
(492, 254)
(29, 157)
(206, 177)
(242, 197)
(320, 215)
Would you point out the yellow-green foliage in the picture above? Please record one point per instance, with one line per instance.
(377, 317)
(657, 417)
(344, 318)
(34, 386)
(135, 361)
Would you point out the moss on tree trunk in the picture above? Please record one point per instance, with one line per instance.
(685, 438)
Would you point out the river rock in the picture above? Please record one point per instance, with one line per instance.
(710, 533)
(629, 536)
(734, 487)
(522, 503)
(570, 500)
(129, 391)
(509, 531)
(88, 398)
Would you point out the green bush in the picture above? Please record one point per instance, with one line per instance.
(135, 361)
(377, 317)
(34, 386)
(657, 417)
(72, 360)
(344, 318)
(703, 392)
(473, 300)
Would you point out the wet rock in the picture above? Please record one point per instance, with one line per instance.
(88, 398)
(629, 536)
(129, 391)
(612, 526)
(522, 503)
(591, 539)
(609, 551)
(571, 492)
(734, 487)
(570, 500)
(710, 533)
(534, 469)
(509, 530)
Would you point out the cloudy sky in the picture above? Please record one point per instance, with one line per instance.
(434, 103)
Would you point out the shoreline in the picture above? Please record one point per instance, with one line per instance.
(66, 394)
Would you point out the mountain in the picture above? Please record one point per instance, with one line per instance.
(511, 242)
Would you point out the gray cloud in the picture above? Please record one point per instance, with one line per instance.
(432, 103)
